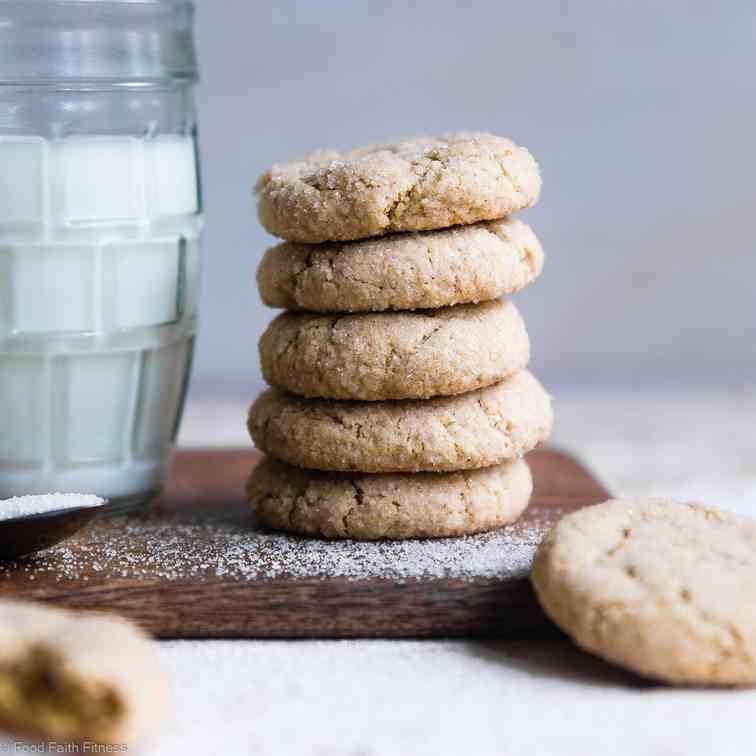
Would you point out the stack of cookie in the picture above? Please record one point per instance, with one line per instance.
(401, 405)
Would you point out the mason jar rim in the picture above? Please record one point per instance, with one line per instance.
(105, 41)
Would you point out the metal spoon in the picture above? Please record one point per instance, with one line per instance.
(28, 534)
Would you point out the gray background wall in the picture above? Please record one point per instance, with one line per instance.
(642, 115)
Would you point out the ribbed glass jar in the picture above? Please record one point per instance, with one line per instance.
(100, 220)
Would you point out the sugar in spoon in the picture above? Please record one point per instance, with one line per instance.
(29, 524)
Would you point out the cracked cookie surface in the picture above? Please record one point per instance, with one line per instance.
(369, 507)
(663, 588)
(473, 430)
(403, 272)
(397, 355)
(74, 677)
(416, 185)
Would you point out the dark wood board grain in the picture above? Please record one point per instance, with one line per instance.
(205, 501)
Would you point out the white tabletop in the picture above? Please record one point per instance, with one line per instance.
(539, 697)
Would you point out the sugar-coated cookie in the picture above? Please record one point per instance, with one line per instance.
(404, 271)
(368, 507)
(397, 355)
(77, 677)
(472, 430)
(416, 185)
(662, 588)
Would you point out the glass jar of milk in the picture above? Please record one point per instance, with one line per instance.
(100, 217)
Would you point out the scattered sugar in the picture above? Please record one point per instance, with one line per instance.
(21, 506)
(174, 546)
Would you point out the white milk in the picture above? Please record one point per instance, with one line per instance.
(99, 261)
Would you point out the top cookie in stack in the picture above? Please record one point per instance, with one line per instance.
(411, 328)
(417, 185)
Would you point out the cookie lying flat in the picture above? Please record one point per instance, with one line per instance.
(473, 430)
(77, 677)
(403, 272)
(416, 185)
(402, 355)
(368, 507)
(662, 588)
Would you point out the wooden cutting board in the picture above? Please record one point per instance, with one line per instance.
(195, 566)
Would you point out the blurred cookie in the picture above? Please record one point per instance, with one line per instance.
(403, 272)
(415, 185)
(472, 430)
(401, 355)
(77, 677)
(663, 588)
(367, 507)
